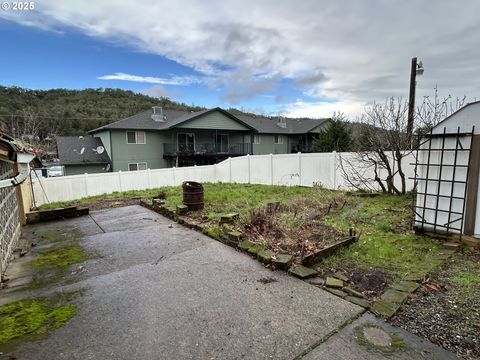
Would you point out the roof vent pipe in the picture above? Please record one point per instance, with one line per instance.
(157, 114)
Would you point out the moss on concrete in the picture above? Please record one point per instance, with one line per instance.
(52, 263)
(396, 343)
(59, 257)
(33, 317)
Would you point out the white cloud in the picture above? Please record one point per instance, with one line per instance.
(322, 109)
(157, 91)
(175, 80)
(353, 52)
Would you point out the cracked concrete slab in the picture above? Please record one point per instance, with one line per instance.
(160, 291)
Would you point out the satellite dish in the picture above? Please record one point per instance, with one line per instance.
(100, 149)
(82, 151)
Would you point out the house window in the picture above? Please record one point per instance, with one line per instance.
(137, 166)
(185, 142)
(278, 139)
(256, 139)
(136, 137)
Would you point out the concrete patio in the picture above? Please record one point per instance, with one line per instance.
(160, 291)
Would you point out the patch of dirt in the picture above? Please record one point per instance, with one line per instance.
(371, 282)
(447, 314)
(285, 229)
(113, 203)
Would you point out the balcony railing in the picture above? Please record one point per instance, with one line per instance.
(206, 149)
(301, 148)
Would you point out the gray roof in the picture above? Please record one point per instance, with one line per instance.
(143, 121)
(70, 150)
(269, 125)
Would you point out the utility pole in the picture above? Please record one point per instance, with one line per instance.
(417, 68)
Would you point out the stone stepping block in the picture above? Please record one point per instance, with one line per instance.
(340, 276)
(265, 256)
(302, 272)
(406, 286)
(416, 276)
(316, 281)
(337, 292)
(255, 249)
(357, 301)
(182, 209)
(353, 292)
(394, 296)
(451, 245)
(245, 245)
(385, 308)
(447, 252)
(235, 236)
(229, 218)
(333, 283)
(282, 261)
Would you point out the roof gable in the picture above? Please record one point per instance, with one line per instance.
(213, 120)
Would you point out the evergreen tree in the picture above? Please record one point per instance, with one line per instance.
(337, 136)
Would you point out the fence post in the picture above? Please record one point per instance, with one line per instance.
(215, 178)
(271, 169)
(230, 169)
(85, 177)
(148, 179)
(334, 153)
(248, 164)
(173, 174)
(120, 180)
(299, 168)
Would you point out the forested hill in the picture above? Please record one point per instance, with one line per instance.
(43, 113)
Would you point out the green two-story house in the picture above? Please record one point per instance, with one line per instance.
(160, 138)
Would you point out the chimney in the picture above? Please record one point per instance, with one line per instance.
(282, 123)
(157, 114)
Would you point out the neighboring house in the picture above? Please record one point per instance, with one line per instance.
(160, 138)
(448, 175)
(82, 154)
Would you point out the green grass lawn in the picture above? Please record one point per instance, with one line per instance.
(383, 222)
(386, 241)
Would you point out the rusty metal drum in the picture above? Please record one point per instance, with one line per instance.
(193, 195)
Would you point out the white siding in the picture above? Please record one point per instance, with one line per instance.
(466, 118)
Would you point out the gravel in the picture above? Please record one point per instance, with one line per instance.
(446, 311)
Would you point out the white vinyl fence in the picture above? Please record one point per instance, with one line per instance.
(283, 169)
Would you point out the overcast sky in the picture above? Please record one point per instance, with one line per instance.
(298, 58)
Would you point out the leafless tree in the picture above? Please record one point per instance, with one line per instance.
(383, 143)
(434, 109)
(33, 129)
